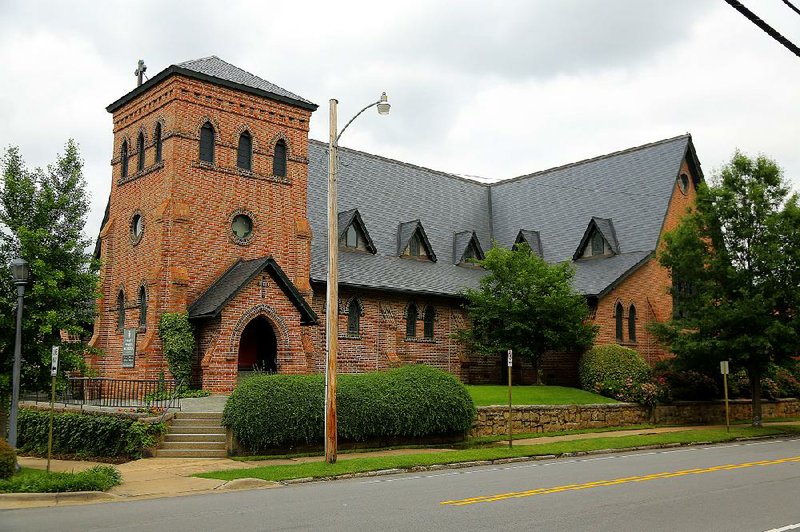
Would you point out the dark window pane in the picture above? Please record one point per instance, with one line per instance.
(351, 238)
(245, 151)
(140, 153)
(353, 317)
(411, 321)
(279, 160)
(121, 310)
(413, 245)
(124, 158)
(207, 143)
(142, 307)
(429, 317)
(597, 243)
(632, 324)
(618, 319)
(157, 137)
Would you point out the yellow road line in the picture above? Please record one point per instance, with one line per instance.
(614, 482)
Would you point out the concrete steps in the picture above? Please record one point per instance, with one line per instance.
(194, 435)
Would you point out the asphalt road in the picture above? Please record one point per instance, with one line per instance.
(751, 486)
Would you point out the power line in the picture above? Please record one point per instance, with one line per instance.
(791, 6)
(769, 30)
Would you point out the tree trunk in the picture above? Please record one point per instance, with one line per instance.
(755, 390)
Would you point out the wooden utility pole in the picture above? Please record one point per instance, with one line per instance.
(332, 296)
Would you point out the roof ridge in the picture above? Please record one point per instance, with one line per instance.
(403, 163)
(594, 159)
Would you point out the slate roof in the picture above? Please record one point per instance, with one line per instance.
(631, 187)
(213, 300)
(214, 70)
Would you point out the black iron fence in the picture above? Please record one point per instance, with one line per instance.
(114, 393)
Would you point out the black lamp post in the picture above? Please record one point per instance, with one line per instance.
(20, 272)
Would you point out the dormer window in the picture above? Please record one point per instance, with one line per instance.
(466, 248)
(598, 245)
(353, 235)
(599, 240)
(532, 239)
(412, 242)
(415, 247)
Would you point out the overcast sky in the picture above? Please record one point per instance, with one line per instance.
(492, 89)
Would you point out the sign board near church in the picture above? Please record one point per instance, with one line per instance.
(128, 348)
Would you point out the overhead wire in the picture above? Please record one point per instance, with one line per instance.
(792, 6)
(769, 30)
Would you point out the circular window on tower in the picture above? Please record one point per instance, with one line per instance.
(137, 227)
(683, 182)
(241, 227)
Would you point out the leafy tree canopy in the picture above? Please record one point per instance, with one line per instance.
(735, 263)
(527, 305)
(42, 216)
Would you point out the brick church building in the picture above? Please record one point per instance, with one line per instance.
(218, 209)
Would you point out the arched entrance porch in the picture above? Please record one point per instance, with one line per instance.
(258, 348)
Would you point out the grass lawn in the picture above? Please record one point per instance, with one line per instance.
(486, 395)
(29, 480)
(374, 463)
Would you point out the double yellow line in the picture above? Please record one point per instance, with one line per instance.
(625, 480)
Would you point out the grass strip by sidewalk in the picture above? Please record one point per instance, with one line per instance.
(28, 480)
(318, 469)
(490, 394)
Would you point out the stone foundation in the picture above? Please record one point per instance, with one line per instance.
(493, 420)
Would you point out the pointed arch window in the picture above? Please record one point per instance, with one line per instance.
(121, 310)
(207, 143)
(598, 244)
(140, 152)
(279, 159)
(142, 307)
(619, 311)
(244, 154)
(354, 317)
(157, 138)
(428, 319)
(123, 155)
(632, 324)
(411, 321)
(415, 246)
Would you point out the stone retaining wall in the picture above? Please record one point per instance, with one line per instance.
(493, 420)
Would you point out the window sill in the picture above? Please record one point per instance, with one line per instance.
(132, 177)
(349, 336)
(242, 173)
(415, 340)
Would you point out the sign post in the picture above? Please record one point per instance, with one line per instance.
(53, 373)
(724, 369)
(510, 422)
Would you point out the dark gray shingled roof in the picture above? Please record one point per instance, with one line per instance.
(631, 187)
(211, 302)
(215, 70)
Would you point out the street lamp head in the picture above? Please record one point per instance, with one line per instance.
(383, 105)
(20, 271)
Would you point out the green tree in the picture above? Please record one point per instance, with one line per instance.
(735, 264)
(527, 305)
(42, 216)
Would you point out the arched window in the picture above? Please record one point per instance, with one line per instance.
(619, 311)
(245, 152)
(123, 155)
(157, 138)
(207, 143)
(279, 159)
(353, 317)
(632, 324)
(140, 152)
(411, 321)
(121, 310)
(142, 307)
(428, 318)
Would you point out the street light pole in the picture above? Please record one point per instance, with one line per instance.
(332, 283)
(20, 273)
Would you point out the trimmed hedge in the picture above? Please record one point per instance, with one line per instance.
(86, 434)
(614, 371)
(282, 411)
(8, 460)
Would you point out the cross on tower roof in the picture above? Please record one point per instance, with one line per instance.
(141, 68)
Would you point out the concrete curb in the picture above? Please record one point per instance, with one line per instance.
(52, 499)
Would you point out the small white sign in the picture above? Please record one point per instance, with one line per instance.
(510, 353)
(723, 367)
(54, 361)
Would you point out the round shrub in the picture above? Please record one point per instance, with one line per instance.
(613, 371)
(281, 411)
(8, 459)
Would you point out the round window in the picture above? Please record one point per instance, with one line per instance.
(137, 227)
(242, 227)
(683, 182)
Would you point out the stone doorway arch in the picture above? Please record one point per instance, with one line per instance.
(258, 348)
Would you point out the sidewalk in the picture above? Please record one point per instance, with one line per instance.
(171, 477)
